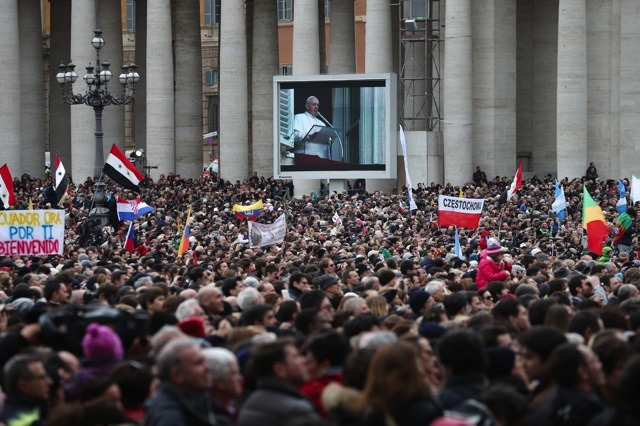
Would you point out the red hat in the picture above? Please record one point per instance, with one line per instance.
(192, 326)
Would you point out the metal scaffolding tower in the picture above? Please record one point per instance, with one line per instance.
(420, 62)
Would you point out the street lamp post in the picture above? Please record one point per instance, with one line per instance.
(98, 96)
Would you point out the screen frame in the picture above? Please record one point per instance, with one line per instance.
(390, 127)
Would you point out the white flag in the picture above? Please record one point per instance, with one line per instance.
(635, 189)
(261, 234)
(412, 203)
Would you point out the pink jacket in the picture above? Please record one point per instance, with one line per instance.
(489, 270)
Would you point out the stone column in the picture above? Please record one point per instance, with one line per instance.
(83, 146)
(545, 85)
(342, 54)
(629, 87)
(603, 87)
(188, 90)
(306, 37)
(32, 87)
(494, 86)
(10, 108)
(59, 112)
(379, 58)
(233, 137)
(110, 21)
(306, 60)
(342, 39)
(160, 93)
(572, 89)
(458, 108)
(140, 103)
(264, 66)
(378, 54)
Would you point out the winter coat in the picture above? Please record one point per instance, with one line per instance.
(490, 270)
(418, 412)
(172, 407)
(20, 409)
(314, 387)
(342, 403)
(274, 403)
(459, 388)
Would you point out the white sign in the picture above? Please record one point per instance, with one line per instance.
(31, 232)
(264, 235)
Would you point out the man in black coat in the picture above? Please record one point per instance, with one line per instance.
(183, 398)
(279, 369)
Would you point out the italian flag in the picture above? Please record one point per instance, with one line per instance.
(593, 222)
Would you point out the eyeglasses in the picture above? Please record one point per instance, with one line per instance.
(39, 377)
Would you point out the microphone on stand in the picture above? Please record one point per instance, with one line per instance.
(324, 119)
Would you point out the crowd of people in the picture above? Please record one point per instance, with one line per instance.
(363, 315)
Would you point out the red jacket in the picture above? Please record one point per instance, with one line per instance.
(314, 387)
(490, 270)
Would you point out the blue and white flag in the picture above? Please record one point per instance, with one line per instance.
(622, 202)
(458, 250)
(132, 209)
(559, 206)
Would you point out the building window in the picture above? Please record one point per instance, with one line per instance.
(131, 14)
(415, 9)
(327, 8)
(285, 10)
(211, 77)
(286, 70)
(211, 12)
(213, 114)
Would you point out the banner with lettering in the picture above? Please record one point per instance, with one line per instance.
(31, 232)
(461, 212)
(261, 234)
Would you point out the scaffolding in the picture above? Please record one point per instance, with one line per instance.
(420, 62)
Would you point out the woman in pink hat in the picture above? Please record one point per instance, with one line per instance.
(492, 267)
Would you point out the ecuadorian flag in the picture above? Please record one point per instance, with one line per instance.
(248, 212)
(593, 222)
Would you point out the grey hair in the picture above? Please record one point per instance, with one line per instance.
(309, 99)
(187, 309)
(352, 303)
(376, 339)
(248, 297)
(626, 291)
(142, 282)
(18, 369)
(164, 336)
(219, 360)
(170, 356)
(433, 286)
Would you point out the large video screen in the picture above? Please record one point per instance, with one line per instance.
(335, 126)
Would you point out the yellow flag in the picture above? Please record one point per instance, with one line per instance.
(461, 193)
(30, 204)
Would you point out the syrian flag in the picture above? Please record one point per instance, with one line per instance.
(132, 209)
(515, 185)
(121, 170)
(62, 182)
(130, 241)
(6, 187)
